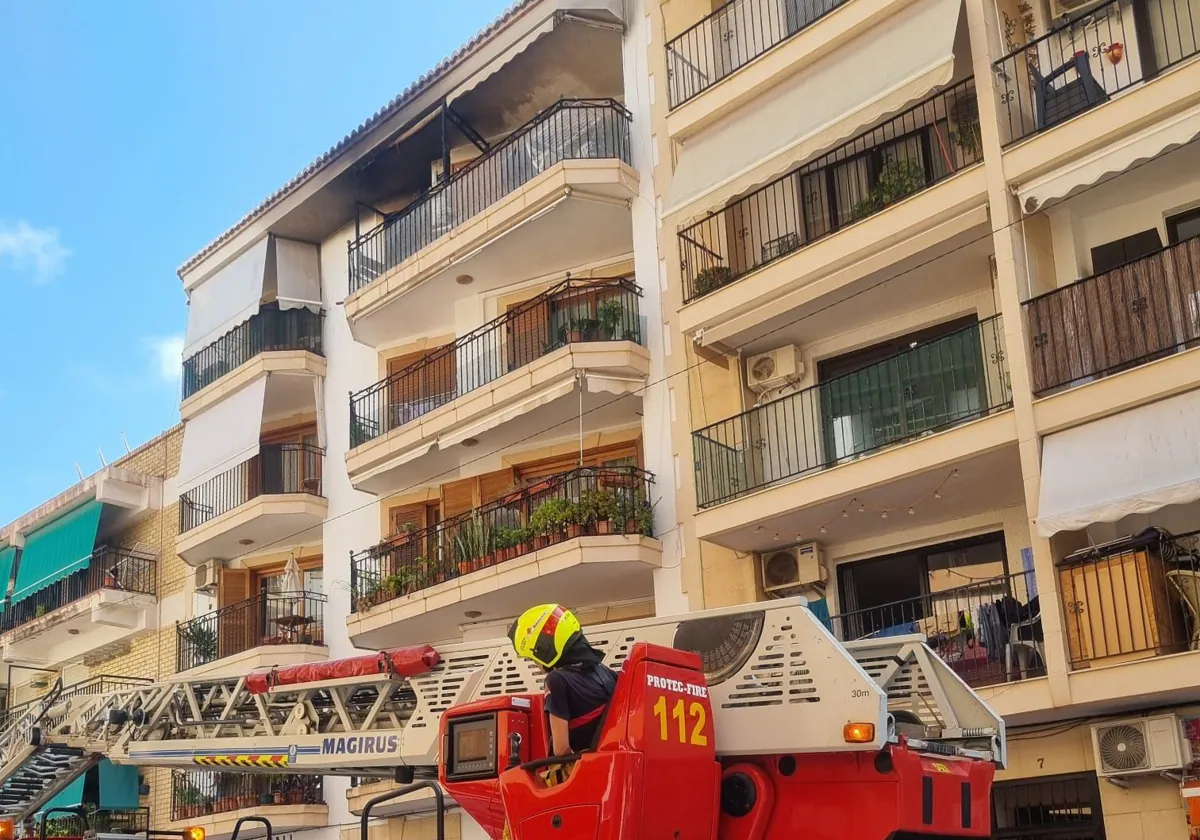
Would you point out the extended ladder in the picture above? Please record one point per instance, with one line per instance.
(779, 683)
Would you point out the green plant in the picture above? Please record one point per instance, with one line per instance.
(473, 540)
(646, 519)
(711, 279)
(551, 517)
(202, 640)
(611, 313)
(597, 506)
(897, 179)
(506, 537)
(38, 612)
(967, 134)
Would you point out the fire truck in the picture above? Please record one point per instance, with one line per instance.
(744, 723)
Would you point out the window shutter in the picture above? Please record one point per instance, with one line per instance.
(413, 515)
(458, 497)
(494, 485)
(528, 333)
(238, 626)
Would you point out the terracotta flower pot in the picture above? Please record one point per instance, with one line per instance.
(603, 526)
(574, 530)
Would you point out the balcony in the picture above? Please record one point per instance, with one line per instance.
(1092, 60)
(988, 631)
(895, 163)
(583, 537)
(270, 330)
(277, 628)
(522, 362)
(129, 822)
(564, 179)
(730, 38)
(272, 496)
(215, 801)
(1135, 314)
(928, 389)
(95, 609)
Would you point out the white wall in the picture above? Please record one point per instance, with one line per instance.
(1139, 199)
(651, 276)
(353, 521)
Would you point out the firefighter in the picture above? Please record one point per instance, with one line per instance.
(579, 685)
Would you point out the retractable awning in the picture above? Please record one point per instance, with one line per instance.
(1137, 461)
(222, 436)
(841, 94)
(1115, 158)
(8, 556)
(118, 786)
(226, 299)
(57, 549)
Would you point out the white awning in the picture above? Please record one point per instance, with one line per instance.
(297, 274)
(226, 299)
(608, 11)
(1112, 159)
(223, 436)
(847, 91)
(499, 417)
(1134, 462)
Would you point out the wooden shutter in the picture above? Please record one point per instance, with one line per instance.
(458, 497)
(527, 332)
(494, 485)
(410, 515)
(237, 627)
(565, 463)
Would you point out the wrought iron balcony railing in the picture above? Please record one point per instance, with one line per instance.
(730, 38)
(277, 469)
(918, 148)
(571, 129)
(574, 310)
(1110, 322)
(949, 380)
(267, 330)
(585, 501)
(269, 618)
(196, 794)
(1086, 61)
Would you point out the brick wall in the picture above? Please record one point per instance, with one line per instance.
(153, 655)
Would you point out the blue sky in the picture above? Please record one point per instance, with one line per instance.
(132, 134)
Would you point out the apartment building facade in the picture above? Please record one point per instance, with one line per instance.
(91, 587)
(423, 380)
(932, 271)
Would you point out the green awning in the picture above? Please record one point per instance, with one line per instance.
(69, 797)
(118, 786)
(56, 550)
(7, 557)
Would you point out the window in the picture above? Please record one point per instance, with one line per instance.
(1049, 808)
(1184, 226)
(1112, 255)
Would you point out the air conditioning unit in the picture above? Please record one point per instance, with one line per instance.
(792, 568)
(1060, 9)
(779, 367)
(1140, 746)
(207, 576)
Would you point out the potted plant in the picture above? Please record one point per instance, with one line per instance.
(611, 314)
(576, 520)
(599, 508)
(897, 179)
(474, 545)
(589, 329)
(201, 639)
(964, 114)
(549, 521)
(402, 536)
(712, 278)
(278, 797)
(39, 611)
(366, 599)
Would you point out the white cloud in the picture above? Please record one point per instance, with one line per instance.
(168, 356)
(33, 250)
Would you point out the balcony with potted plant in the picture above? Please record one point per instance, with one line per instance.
(215, 801)
(582, 537)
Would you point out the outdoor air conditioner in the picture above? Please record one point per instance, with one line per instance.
(792, 568)
(1060, 9)
(207, 575)
(1140, 746)
(774, 369)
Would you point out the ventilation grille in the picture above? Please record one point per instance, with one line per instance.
(907, 689)
(510, 674)
(446, 685)
(776, 675)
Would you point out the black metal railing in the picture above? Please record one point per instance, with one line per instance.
(127, 821)
(1086, 61)
(269, 329)
(988, 631)
(571, 129)
(277, 469)
(582, 502)
(1122, 318)
(573, 311)
(269, 618)
(197, 794)
(730, 38)
(110, 567)
(921, 146)
(928, 388)
(1132, 600)
(1061, 807)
